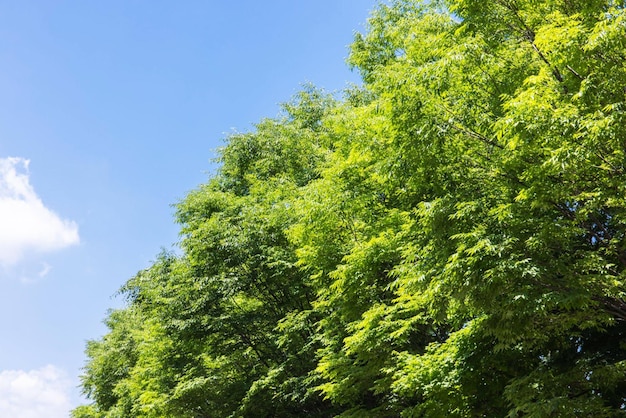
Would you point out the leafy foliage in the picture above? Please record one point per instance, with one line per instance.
(448, 240)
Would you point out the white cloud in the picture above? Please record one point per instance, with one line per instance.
(27, 225)
(41, 393)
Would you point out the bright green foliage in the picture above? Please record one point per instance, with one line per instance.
(227, 328)
(448, 240)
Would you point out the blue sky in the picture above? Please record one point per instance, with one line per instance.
(110, 111)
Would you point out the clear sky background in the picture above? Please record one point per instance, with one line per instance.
(111, 111)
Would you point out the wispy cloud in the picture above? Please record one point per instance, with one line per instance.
(44, 270)
(41, 393)
(26, 224)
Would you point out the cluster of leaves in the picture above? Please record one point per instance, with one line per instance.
(447, 240)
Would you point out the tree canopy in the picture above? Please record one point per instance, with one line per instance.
(448, 239)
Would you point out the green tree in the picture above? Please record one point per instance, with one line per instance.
(503, 149)
(447, 240)
(225, 329)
